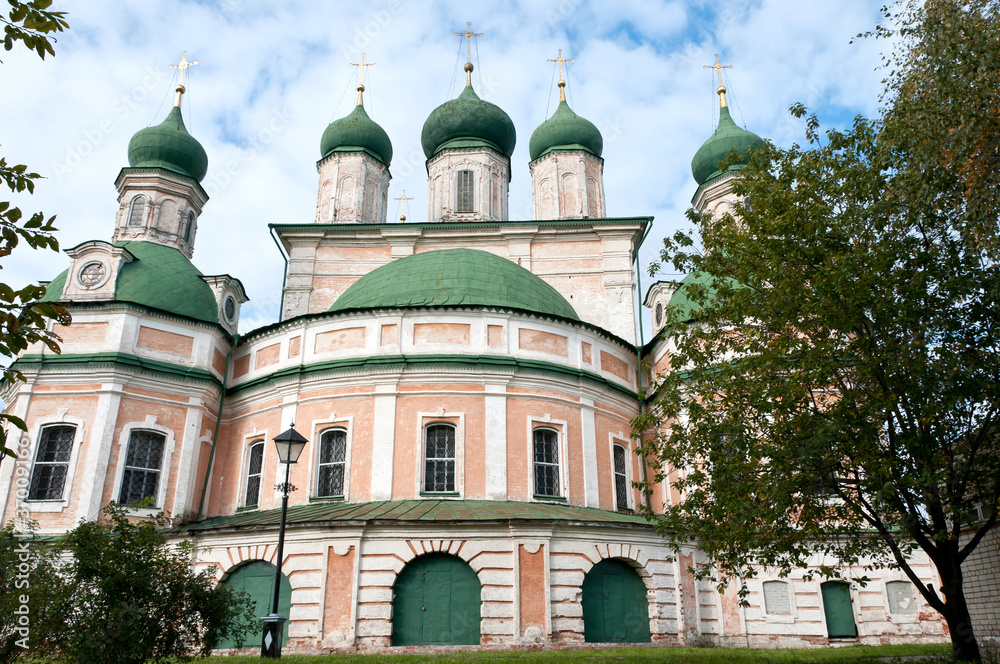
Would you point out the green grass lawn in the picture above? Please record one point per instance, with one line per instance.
(846, 655)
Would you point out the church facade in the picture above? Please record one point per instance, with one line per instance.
(466, 385)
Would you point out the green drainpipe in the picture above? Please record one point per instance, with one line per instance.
(218, 421)
(638, 364)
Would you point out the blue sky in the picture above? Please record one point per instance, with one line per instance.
(272, 75)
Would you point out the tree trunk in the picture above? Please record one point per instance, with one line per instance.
(963, 639)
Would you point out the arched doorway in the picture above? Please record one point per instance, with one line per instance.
(837, 607)
(436, 601)
(615, 609)
(257, 580)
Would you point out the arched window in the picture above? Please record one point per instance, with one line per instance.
(143, 464)
(137, 211)
(465, 193)
(332, 463)
(776, 599)
(621, 478)
(255, 467)
(48, 476)
(439, 458)
(546, 448)
(188, 227)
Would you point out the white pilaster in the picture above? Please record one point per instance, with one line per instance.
(383, 441)
(496, 442)
(588, 426)
(102, 437)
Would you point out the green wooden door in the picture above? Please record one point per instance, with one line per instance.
(837, 606)
(257, 580)
(436, 601)
(615, 609)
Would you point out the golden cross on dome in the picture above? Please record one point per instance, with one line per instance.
(718, 70)
(182, 65)
(403, 198)
(562, 82)
(468, 34)
(361, 76)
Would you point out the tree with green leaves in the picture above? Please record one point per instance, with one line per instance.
(113, 590)
(835, 371)
(23, 318)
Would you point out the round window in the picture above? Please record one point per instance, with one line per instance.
(659, 313)
(92, 274)
(229, 309)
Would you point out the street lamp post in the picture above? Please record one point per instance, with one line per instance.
(289, 445)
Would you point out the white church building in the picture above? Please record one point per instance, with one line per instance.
(466, 385)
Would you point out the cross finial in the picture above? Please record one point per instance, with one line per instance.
(403, 198)
(468, 34)
(562, 82)
(361, 75)
(718, 70)
(182, 65)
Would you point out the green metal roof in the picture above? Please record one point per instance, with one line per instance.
(681, 299)
(421, 511)
(160, 277)
(356, 132)
(454, 277)
(468, 122)
(168, 145)
(565, 130)
(727, 137)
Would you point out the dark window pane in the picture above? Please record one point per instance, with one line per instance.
(332, 466)
(255, 464)
(143, 459)
(621, 479)
(546, 444)
(465, 200)
(439, 458)
(48, 477)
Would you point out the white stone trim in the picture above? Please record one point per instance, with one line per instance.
(248, 441)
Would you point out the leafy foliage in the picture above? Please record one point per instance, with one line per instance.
(834, 384)
(114, 590)
(22, 317)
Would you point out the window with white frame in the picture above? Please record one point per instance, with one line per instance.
(546, 453)
(900, 594)
(465, 193)
(439, 458)
(255, 468)
(776, 598)
(143, 464)
(137, 211)
(332, 463)
(621, 477)
(48, 475)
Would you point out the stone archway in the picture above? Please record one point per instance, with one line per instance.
(615, 608)
(256, 578)
(436, 601)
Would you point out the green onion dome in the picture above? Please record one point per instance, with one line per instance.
(727, 136)
(356, 132)
(168, 145)
(565, 130)
(468, 122)
(454, 277)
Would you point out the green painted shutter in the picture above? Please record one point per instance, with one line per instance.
(436, 601)
(615, 608)
(837, 606)
(257, 580)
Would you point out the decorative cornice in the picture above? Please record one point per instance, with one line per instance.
(123, 361)
(369, 364)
